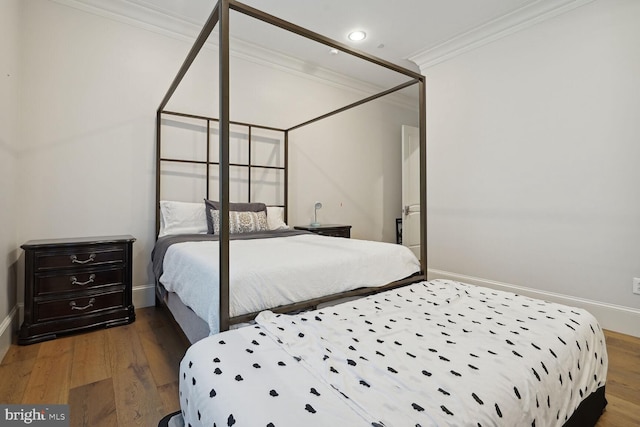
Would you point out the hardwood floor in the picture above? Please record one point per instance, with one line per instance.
(623, 381)
(122, 376)
(128, 375)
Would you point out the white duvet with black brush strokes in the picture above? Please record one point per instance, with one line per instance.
(437, 353)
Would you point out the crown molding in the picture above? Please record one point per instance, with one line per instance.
(140, 14)
(498, 28)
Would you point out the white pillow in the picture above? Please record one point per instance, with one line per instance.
(275, 218)
(182, 218)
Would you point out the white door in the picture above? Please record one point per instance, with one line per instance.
(411, 188)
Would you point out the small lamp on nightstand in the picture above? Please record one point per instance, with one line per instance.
(315, 222)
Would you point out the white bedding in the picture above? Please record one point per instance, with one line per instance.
(267, 273)
(437, 353)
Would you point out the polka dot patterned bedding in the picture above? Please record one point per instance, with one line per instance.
(438, 353)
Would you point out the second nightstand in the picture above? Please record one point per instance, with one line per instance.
(335, 230)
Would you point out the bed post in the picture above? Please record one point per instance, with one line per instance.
(208, 164)
(286, 176)
(158, 154)
(224, 163)
(191, 56)
(423, 177)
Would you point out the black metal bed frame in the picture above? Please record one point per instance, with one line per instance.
(220, 16)
(249, 165)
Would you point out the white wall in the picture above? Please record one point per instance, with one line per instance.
(91, 88)
(342, 163)
(9, 90)
(533, 158)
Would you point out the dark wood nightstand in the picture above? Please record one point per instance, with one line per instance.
(74, 284)
(335, 230)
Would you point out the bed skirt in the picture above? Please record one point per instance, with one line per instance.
(589, 410)
(187, 321)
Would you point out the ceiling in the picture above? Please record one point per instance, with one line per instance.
(395, 30)
(412, 33)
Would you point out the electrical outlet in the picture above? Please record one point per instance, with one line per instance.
(636, 285)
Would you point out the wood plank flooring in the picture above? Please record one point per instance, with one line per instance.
(128, 375)
(122, 376)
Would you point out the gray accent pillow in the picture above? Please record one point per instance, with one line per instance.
(239, 207)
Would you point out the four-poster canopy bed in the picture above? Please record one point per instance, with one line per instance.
(223, 126)
(412, 353)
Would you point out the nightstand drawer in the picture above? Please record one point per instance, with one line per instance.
(81, 256)
(78, 305)
(77, 280)
(333, 230)
(336, 232)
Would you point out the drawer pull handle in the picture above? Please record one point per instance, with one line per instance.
(75, 260)
(74, 280)
(75, 307)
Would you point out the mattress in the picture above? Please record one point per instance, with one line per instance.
(271, 272)
(437, 353)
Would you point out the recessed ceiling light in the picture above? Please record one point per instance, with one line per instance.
(357, 36)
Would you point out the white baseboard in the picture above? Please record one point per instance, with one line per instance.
(143, 296)
(625, 320)
(8, 326)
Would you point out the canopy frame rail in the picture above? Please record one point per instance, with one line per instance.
(220, 17)
(311, 35)
(356, 104)
(303, 305)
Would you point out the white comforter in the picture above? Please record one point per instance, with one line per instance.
(267, 273)
(437, 353)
